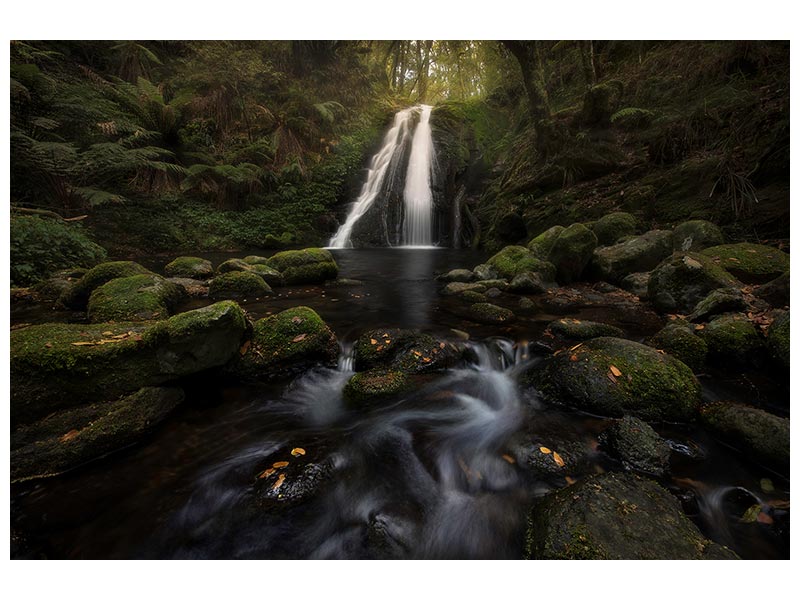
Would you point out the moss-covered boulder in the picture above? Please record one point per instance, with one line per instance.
(683, 280)
(718, 302)
(190, 267)
(679, 340)
(634, 255)
(237, 285)
(778, 339)
(193, 288)
(636, 445)
(256, 260)
(527, 283)
(77, 296)
(575, 329)
(489, 314)
(243, 265)
(543, 243)
(513, 260)
(613, 227)
(59, 365)
(484, 271)
(312, 265)
(775, 292)
(615, 516)
(732, 337)
(696, 235)
(643, 382)
(751, 263)
(285, 344)
(57, 284)
(762, 436)
(459, 275)
(369, 389)
(636, 284)
(456, 288)
(70, 438)
(471, 296)
(571, 252)
(136, 298)
(403, 349)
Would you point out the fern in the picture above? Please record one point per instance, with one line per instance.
(329, 110)
(633, 117)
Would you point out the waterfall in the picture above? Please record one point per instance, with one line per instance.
(417, 195)
(417, 230)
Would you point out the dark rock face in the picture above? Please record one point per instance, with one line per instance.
(634, 255)
(527, 283)
(683, 280)
(775, 292)
(615, 516)
(636, 445)
(696, 235)
(778, 339)
(717, 302)
(300, 480)
(403, 349)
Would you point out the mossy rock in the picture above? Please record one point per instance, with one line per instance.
(70, 438)
(679, 283)
(652, 385)
(459, 275)
(256, 260)
(718, 302)
(575, 329)
(59, 365)
(58, 283)
(680, 341)
(456, 288)
(404, 349)
(612, 227)
(472, 297)
(758, 434)
(233, 265)
(312, 265)
(190, 267)
(615, 516)
(193, 288)
(527, 283)
(368, 389)
(636, 445)
(696, 235)
(238, 285)
(484, 271)
(778, 339)
(634, 255)
(242, 265)
(751, 263)
(77, 296)
(571, 252)
(490, 314)
(732, 337)
(285, 344)
(543, 243)
(513, 260)
(136, 298)
(636, 284)
(775, 292)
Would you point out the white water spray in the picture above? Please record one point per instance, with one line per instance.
(417, 230)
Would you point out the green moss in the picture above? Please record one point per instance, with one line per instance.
(472, 296)
(732, 336)
(77, 296)
(583, 330)
(490, 314)
(195, 322)
(367, 388)
(136, 298)
(233, 265)
(238, 284)
(252, 264)
(612, 227)
(683, 280)
(778, 339)
(634, 255)
(191, 267)
(680, 341)
(513, 260)
(311, 265)
(696, 235)
(751, 263)
(571, 252)
(542, 243)
(256, 260)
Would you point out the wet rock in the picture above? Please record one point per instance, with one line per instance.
(651, 385)
(456, 288)
(285, 344)
(547, 458)
(484, 271)
(683, 280)
(778, 339)
(256, 260)
(136, 298)
(291, 485)
(679, 340)
(472, 297)
(59, 365)
(759, 434)
(242, 265)
(312, 265)
(77, 296)
(615, 516)
(238, 285)
(490, 314)
(404, 349)
(500, 284)
(526, 303)
(775, 292)
(696, 235)
(513, 260)
(636, 284)
(542, 243)
(636, 445)
(751, 263)
(717, 302)
(493, 293)
(193, 288)
(24, 296)
(57, 284)
(571, 252)
(369, 389)
(391, 536)
(527, 283)
(190, 267)
(460, 275)
(637, 254)
(575, 329)
(732, 337)
(70, 438)
(612, 227)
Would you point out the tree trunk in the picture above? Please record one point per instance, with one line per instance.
(530, 62)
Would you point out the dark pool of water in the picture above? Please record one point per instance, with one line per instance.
(423, 478)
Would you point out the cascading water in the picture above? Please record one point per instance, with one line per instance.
(418, 197)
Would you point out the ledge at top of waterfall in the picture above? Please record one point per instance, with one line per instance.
(399, 146)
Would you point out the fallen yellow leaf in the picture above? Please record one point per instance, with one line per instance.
(84, 343)
(573, 358)
(108, 333)
(300, 337)
(509, 459)
(558, 459)
(279, 482)
(280, 464)
(373, 341)
(298, 452)
(245, 347)
(265, 474)
(69, 435)
(615, 370)
(544, 450)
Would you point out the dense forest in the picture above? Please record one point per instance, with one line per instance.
(399, 299)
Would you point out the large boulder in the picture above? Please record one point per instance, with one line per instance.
(286, 343)
(775, 292)
(527, 283)
(238, 285)
(634, 443)
(576, 329)
(513, 260)
(404, 349)
(252, 264)
(717, 302)
(489, 314)
(751, 263)
(484, 271)
(636, 284)
(459, 275)
(778, 339)
(77, 295)
(679, 340)
(70, 438)
(571, 252)
(312, 265)
(369, 389)
(615, 516)
(696, 235)
(613, 227)
(732, 337)
(634, 255)
(190, 267)
(643, 382)
(59, 365)
(135, 298)
(759, 434)
(543, 243)
(683, 280)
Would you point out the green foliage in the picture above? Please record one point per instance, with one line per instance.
(632, 117)
(40, 247)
